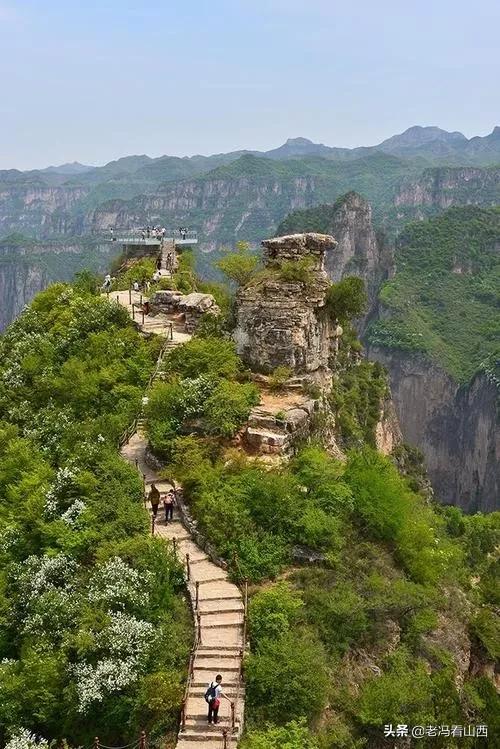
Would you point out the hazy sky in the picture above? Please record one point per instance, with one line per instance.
(95, 80)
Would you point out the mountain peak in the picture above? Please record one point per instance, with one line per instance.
(299, 142)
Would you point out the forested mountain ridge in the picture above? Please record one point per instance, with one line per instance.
(243, 194)
(395, 620)
(435, 326)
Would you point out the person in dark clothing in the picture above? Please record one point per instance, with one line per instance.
(168, 506)
(154, 498)
(213, 697)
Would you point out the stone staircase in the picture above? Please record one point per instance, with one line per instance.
(168, 257)
(216, 601)
(219, 612)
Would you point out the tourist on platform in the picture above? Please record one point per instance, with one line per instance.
(136, 286)
(168, 506)
(107, 283)
(158, 263)
(148, 232)
(154, 498)
(213, 697)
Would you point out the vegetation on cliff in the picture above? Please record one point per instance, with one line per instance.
(94, 632)
(443, 300)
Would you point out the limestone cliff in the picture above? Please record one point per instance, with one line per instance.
(282, 321)
(456, 427)
(40, 210)
(27, 267)
(443, 187)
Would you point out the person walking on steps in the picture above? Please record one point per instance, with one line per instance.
(213, 697)
(168, 506)
(154, 498)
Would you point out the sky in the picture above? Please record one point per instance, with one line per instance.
(92, 81)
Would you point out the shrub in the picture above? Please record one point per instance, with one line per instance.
(346, 299)
(238, 266)
(296, 271)
(278, 377)
(204, 356)
(286, 679)
(402, 694)
(228, 407)
(273, 612)
(294, 735)
(486, 627)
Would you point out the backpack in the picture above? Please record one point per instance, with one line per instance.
(211, 692)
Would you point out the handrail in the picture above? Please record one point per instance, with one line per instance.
(141, 236)
(129, 431)
(235, 702)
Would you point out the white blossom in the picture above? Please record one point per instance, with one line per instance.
(118, 584)
(73, 512)
(127, 642)
(37, 575)
(24, 739)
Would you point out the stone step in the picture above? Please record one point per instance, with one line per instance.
(224, 605)
(199, 741)
(208, 673)
(218, 662)
(218, 589)
(224, 619)
(208, 573)
(230, 689)
(196, 709)
(222, 636)
(210, 650)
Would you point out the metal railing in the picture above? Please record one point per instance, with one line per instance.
(141, 236)
(239, 686)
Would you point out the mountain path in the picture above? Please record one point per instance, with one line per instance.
(218, 608)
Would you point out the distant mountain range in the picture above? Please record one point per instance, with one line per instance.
(431, 145)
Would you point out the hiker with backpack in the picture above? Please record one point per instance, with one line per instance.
(213, 697)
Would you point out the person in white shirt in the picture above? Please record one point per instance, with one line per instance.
(213, 697)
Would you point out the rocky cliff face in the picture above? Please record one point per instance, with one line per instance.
(456, 428)
(221, 209)
(39, 210)
(440, 188)
(27, 268)
(284, 322)
(19, 283)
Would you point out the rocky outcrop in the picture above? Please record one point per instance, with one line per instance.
(191, 307)
(272, 432)
(284, 322)
(358, 252)
(456, 428)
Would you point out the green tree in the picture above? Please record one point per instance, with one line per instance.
(347, 299)
(287, 679)
(238, 266)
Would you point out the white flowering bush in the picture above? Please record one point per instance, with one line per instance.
(24, 739)
(63, 486)
(71, 515)
(127, 643)
(37, 575)
(116, 584)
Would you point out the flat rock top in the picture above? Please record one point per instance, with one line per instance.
(306, 242)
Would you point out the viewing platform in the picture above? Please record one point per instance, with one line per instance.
(141, 237)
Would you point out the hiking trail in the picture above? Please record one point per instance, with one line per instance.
(217, 603)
